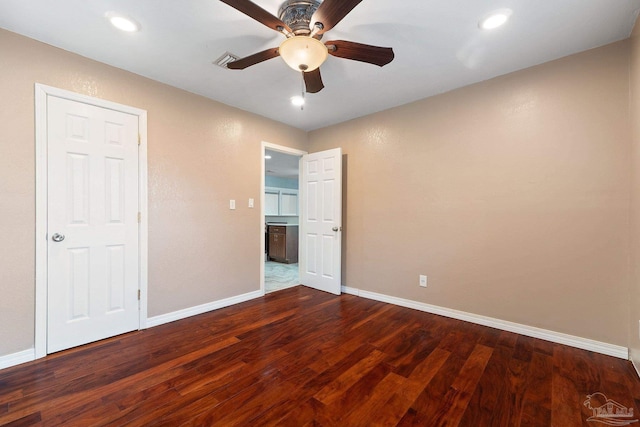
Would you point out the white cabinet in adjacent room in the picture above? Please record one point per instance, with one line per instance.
(289, 202)
(280, 202)
(271, 202)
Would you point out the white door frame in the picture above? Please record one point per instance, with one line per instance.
(41, 94)
(281, 149)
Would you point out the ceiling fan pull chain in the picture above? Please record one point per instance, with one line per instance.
(302, 88)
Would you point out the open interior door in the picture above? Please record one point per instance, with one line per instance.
(321, 220)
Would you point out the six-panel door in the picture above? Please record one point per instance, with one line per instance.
(321, 231)
(93, 264)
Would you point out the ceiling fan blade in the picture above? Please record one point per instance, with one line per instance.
(313, 81)
(361, 52)
(254, 59)
(259, 14)
(330, 12)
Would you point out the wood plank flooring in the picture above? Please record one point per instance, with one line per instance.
(300, 357)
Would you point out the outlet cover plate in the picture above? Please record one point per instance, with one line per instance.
(423, 281)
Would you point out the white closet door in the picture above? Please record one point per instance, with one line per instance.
(92, 225)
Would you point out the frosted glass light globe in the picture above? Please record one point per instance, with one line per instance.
(303, 53)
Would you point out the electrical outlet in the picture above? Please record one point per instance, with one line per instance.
(423, 281)
(232, 204)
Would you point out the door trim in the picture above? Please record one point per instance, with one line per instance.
(41, 94)
(263, 169)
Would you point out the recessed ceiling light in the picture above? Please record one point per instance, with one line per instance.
(495, 19)
(267, 157)
(122, 22)
(298, 101)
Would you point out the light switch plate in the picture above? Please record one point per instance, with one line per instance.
(250, 203)
(232, 204)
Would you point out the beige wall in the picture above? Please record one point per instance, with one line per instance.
(512, 195)
(201, 154)
(634, 318)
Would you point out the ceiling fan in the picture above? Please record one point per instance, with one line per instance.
(304, 22)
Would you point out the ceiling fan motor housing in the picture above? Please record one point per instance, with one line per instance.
(297, 15)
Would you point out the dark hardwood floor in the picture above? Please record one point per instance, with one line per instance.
(300, 357)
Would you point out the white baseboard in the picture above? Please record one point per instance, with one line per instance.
(199, 309)
(350, 291)
(530, 331)
(17, 358)
(634, 357)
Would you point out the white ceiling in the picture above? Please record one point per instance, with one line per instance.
(437, 44)
(281, 164)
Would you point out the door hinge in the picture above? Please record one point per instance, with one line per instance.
(138, 294)
(139, 217)
(139, 139)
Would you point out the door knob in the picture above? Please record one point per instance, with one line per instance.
(335, 229)
(57, 237)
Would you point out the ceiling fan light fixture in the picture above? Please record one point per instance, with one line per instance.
(495, 19)
(303, 53)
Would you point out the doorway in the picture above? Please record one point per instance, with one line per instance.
(281, 209)
(318, 232)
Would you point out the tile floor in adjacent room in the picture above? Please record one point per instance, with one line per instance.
(278, 276)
